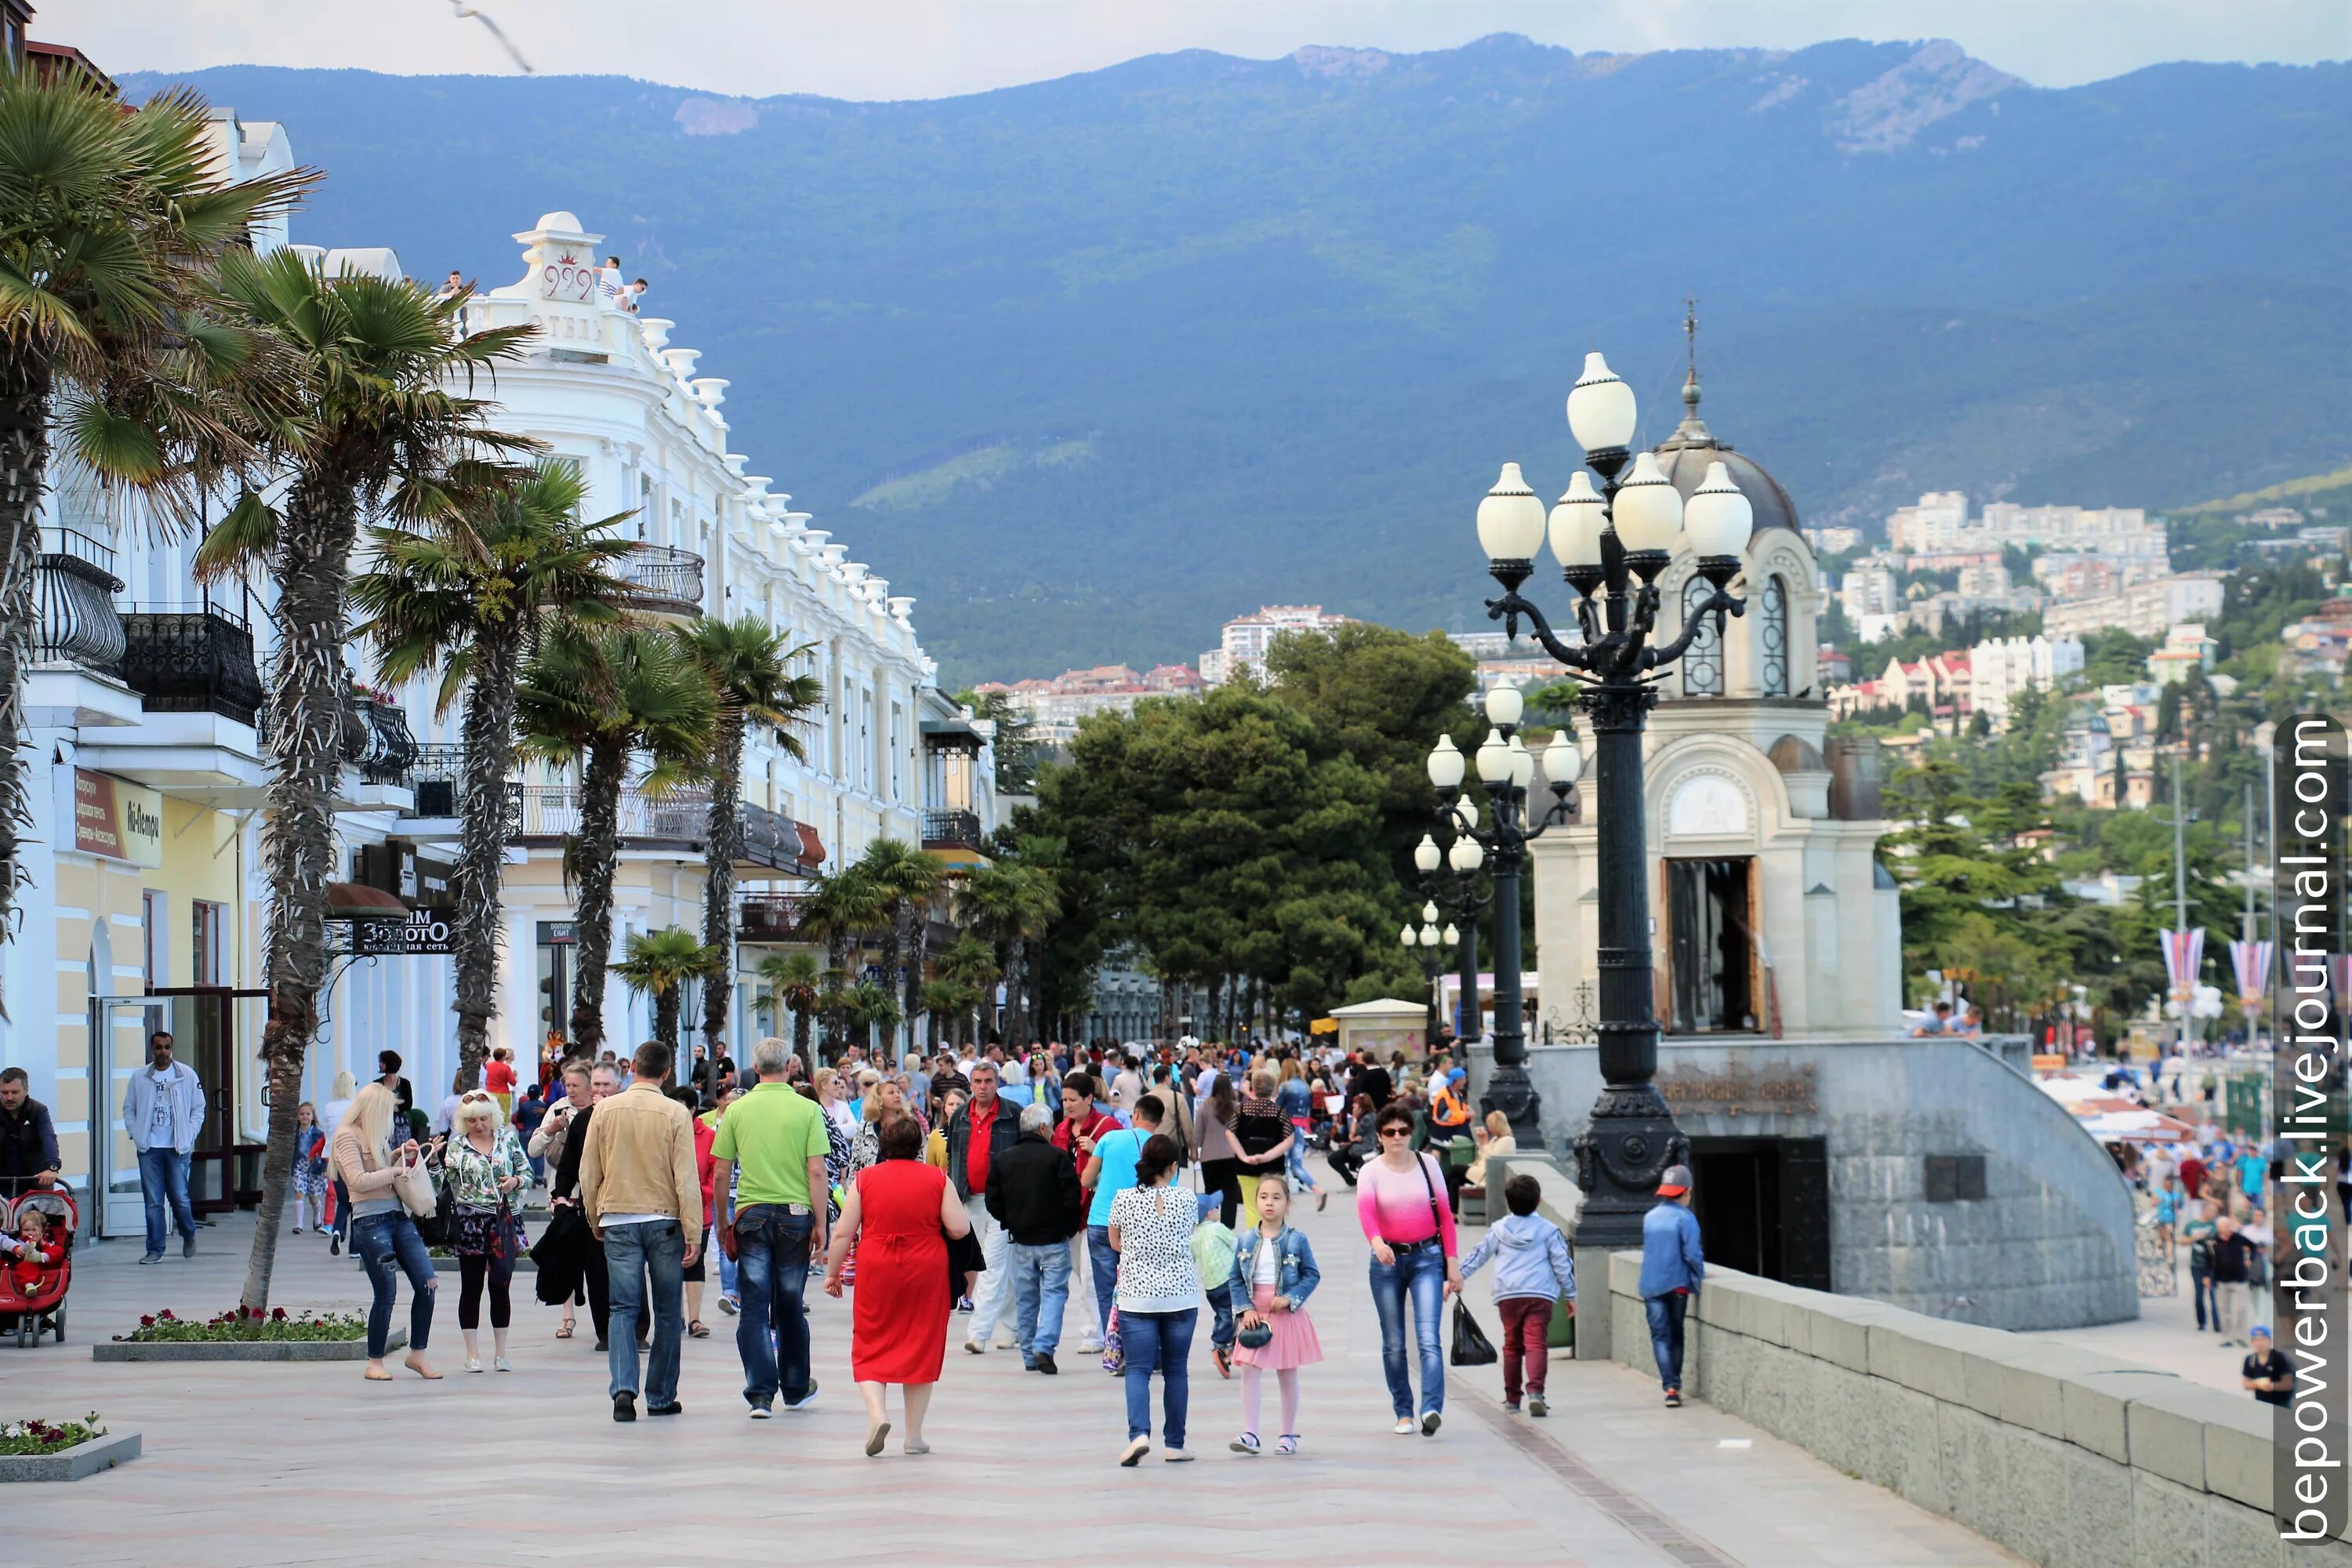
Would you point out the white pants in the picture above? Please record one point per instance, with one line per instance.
(1080, 1315)
(995, 1288)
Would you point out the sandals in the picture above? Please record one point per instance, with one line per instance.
(1287, 1444)
(1244, 1444)
(696, 1328)
(564, 1333)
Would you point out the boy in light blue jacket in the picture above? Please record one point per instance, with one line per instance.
(1532, 1270)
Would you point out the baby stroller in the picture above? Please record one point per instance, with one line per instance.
(31, 1311)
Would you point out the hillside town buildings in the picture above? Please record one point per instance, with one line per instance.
(1940, 521)
(1057, 707)
(2145, 609)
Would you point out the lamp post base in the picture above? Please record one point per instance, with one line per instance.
(1512, 1092)
(1626, 1145)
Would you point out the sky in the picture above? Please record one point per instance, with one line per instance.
(931, 48)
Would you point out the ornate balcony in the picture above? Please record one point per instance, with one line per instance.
(387, 750)
(951, 830)
(773, 842)
(666, 582)
(76, 592)
(195, 660)
(770, 918)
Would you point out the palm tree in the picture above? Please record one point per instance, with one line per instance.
(953, 1000)
(747, 663)
(473, 607)
(113, 346)
(593, 699)
(870, 1008)
(1006, 904)
(969, 967)
(907, 879)
(659, 964)
(792, 982)
(842, 909)
(370, 359)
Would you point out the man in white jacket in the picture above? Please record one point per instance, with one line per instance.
(163, 1111)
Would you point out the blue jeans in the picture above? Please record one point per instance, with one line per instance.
(1300, 1177)
(772, 1259)
(1041, 1288)
(164, 1178)
(1666, 1336)
(1102, 1262)
(1162, 1342)
(651, 1251)
(1419, 1274)
(389, 1246)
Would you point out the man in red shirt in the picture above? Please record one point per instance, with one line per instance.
(984, 1128)
(1083, 1121)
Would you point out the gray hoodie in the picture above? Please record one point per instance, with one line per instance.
(1531, 1259)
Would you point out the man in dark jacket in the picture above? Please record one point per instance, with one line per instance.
(28, 1140)
(1034, 1193)
(985, 1128)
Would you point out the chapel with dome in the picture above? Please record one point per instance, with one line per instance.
(1773, 916)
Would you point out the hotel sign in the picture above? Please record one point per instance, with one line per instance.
(118, 819)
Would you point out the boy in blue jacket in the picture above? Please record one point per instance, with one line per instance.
(1532, 1270)
(1671, 1269)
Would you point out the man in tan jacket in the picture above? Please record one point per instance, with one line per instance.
(644, 1200)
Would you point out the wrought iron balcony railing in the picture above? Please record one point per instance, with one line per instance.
(668, 581)
(388, 750)
(769, 916)
(79, 623)
(195, 660)
(952, 829)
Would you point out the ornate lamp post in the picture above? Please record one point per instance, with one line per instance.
(1612, 543)
(1423, 944)
(1449, 881)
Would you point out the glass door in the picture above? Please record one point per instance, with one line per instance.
(118, 1048)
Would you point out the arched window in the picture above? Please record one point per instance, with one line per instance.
(1773, 634)
(1703, 660)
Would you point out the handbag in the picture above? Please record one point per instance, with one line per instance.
(1470, 1345)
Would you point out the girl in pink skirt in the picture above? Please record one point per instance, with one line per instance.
(1274, 1273)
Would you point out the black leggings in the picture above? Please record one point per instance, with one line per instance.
(471, 1272)
(1224, 1177)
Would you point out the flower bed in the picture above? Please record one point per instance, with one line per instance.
(31, 1435)
(246, 1326)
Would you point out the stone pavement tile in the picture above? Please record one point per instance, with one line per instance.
(254, 1465)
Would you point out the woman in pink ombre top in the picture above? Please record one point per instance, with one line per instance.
(1400, 1200)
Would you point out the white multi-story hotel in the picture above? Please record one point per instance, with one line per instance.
(147, 899)
(1940, 523)
(1244, 644)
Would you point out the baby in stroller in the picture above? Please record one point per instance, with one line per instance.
(34, 1253)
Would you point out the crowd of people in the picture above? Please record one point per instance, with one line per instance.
(1049, 1198)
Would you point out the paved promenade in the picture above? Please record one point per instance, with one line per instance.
(256, 1464)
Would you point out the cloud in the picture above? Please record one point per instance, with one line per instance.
(924, 48)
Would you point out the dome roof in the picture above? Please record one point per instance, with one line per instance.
(1684, 456)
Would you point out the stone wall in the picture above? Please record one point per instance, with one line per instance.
(2048, 1246)
(2069, 1458)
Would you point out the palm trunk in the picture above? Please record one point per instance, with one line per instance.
(477, 932)
(911, 1007)
(801, 1033)
(666, 1019)
(24, 468)
(892, 949)
(723, 844)
(305, 744)
(1015, 1022)
(597, 849)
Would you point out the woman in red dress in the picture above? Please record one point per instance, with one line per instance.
(899, 1216)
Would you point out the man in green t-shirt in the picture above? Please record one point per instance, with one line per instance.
(779, 1138)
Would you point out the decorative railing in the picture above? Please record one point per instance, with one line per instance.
(676, 817)
(769, 916)
(773, 840)
(76, 589)
(960, 828)
(192, 661)
(387, 750)
(665, 580)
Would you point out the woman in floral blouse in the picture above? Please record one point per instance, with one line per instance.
(485, 1165)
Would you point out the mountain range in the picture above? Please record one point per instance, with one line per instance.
(1092, 365)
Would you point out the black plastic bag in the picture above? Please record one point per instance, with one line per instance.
(1470, 1345)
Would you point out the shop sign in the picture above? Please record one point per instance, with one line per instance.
(418, 933)
(118, 819)
(1777, 1088)
(556, 933)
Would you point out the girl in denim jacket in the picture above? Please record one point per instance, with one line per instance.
(1274, 1273)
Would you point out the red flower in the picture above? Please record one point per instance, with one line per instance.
(145, 1321)
(276, 1314)
(166, 1315)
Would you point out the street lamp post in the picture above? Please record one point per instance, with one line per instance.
(1449, 880)
(1612, 543)
(1423, 944)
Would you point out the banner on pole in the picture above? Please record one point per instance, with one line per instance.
(2251, 960)
(2184, 960)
